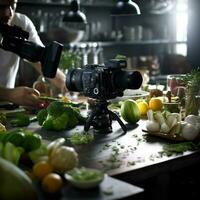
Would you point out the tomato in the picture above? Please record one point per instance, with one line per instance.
(52, 183)
(43, 104)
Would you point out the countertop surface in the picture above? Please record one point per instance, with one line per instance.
(134, 154)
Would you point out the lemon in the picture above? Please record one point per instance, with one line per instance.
(139, 100)
(143, 107)
(155, 104)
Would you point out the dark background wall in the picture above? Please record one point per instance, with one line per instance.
(194, 33)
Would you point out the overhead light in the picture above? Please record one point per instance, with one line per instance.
(125, 7)
(75, 16)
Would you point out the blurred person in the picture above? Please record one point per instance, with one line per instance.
(175, 64)
(9, 62)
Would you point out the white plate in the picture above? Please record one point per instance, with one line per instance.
(131, 94)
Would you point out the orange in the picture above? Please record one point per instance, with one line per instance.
(143, 107)
(41, 169)
(155, 104)
(52, 183)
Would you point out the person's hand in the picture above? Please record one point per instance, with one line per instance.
(24, 96)
(59, 81)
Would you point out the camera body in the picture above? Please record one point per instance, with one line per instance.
(103, 82)
(15, 39)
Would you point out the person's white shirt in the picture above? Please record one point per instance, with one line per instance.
(9, 62)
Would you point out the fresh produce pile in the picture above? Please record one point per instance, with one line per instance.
(59, 116)
(14, 143)
(171, 124)
(45, 162)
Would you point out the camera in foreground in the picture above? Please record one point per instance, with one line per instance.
(103, 82)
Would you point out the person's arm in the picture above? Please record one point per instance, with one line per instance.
(58, 81)
(20, 95)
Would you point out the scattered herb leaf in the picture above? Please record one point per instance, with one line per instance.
(81, 138)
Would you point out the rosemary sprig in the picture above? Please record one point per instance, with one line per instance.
(192, 79)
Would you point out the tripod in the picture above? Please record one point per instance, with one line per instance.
(101, 118)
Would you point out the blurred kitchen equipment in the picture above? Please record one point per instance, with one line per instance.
(75, 18)
(65, 34)
(156, 6)
(125, 7)
(132, 33)
(174, 83)
(72, 28)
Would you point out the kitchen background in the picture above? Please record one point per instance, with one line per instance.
(155, 42)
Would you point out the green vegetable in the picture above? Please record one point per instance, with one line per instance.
(120, 57)
(81, 138)
(55, 108)
(39, 153)
(191, 81)
(41, 116)
(4, 137)
(73, 120)
(69, 60)
(179, 148)
(81, 119)
(20, 120)
(60, 116)
(32, 141)
(14, 183)
(61, 122)
(130, 111)
(2, 118)
(85, 174)
(48, 123)
(2, 128)
(1, 149)
(12, 153)
(15, 138)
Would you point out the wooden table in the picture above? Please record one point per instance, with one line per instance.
(131, 157)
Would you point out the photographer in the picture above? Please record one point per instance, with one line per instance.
(9, 62)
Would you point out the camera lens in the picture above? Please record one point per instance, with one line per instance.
(128, 80)
(74, 80)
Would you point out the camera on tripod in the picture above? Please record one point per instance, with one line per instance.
(103, 82)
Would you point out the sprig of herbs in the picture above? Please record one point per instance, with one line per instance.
(180, 148)
(81, 138)
(69, 60)
(192, 79)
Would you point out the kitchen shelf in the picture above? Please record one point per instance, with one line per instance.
(124, 43)
(61, 5)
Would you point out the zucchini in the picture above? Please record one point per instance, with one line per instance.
(15, 184)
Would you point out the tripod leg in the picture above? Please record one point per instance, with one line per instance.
(89, 121)
(114, 116)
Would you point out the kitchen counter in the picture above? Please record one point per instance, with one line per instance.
(134, 151)
(132, 157)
